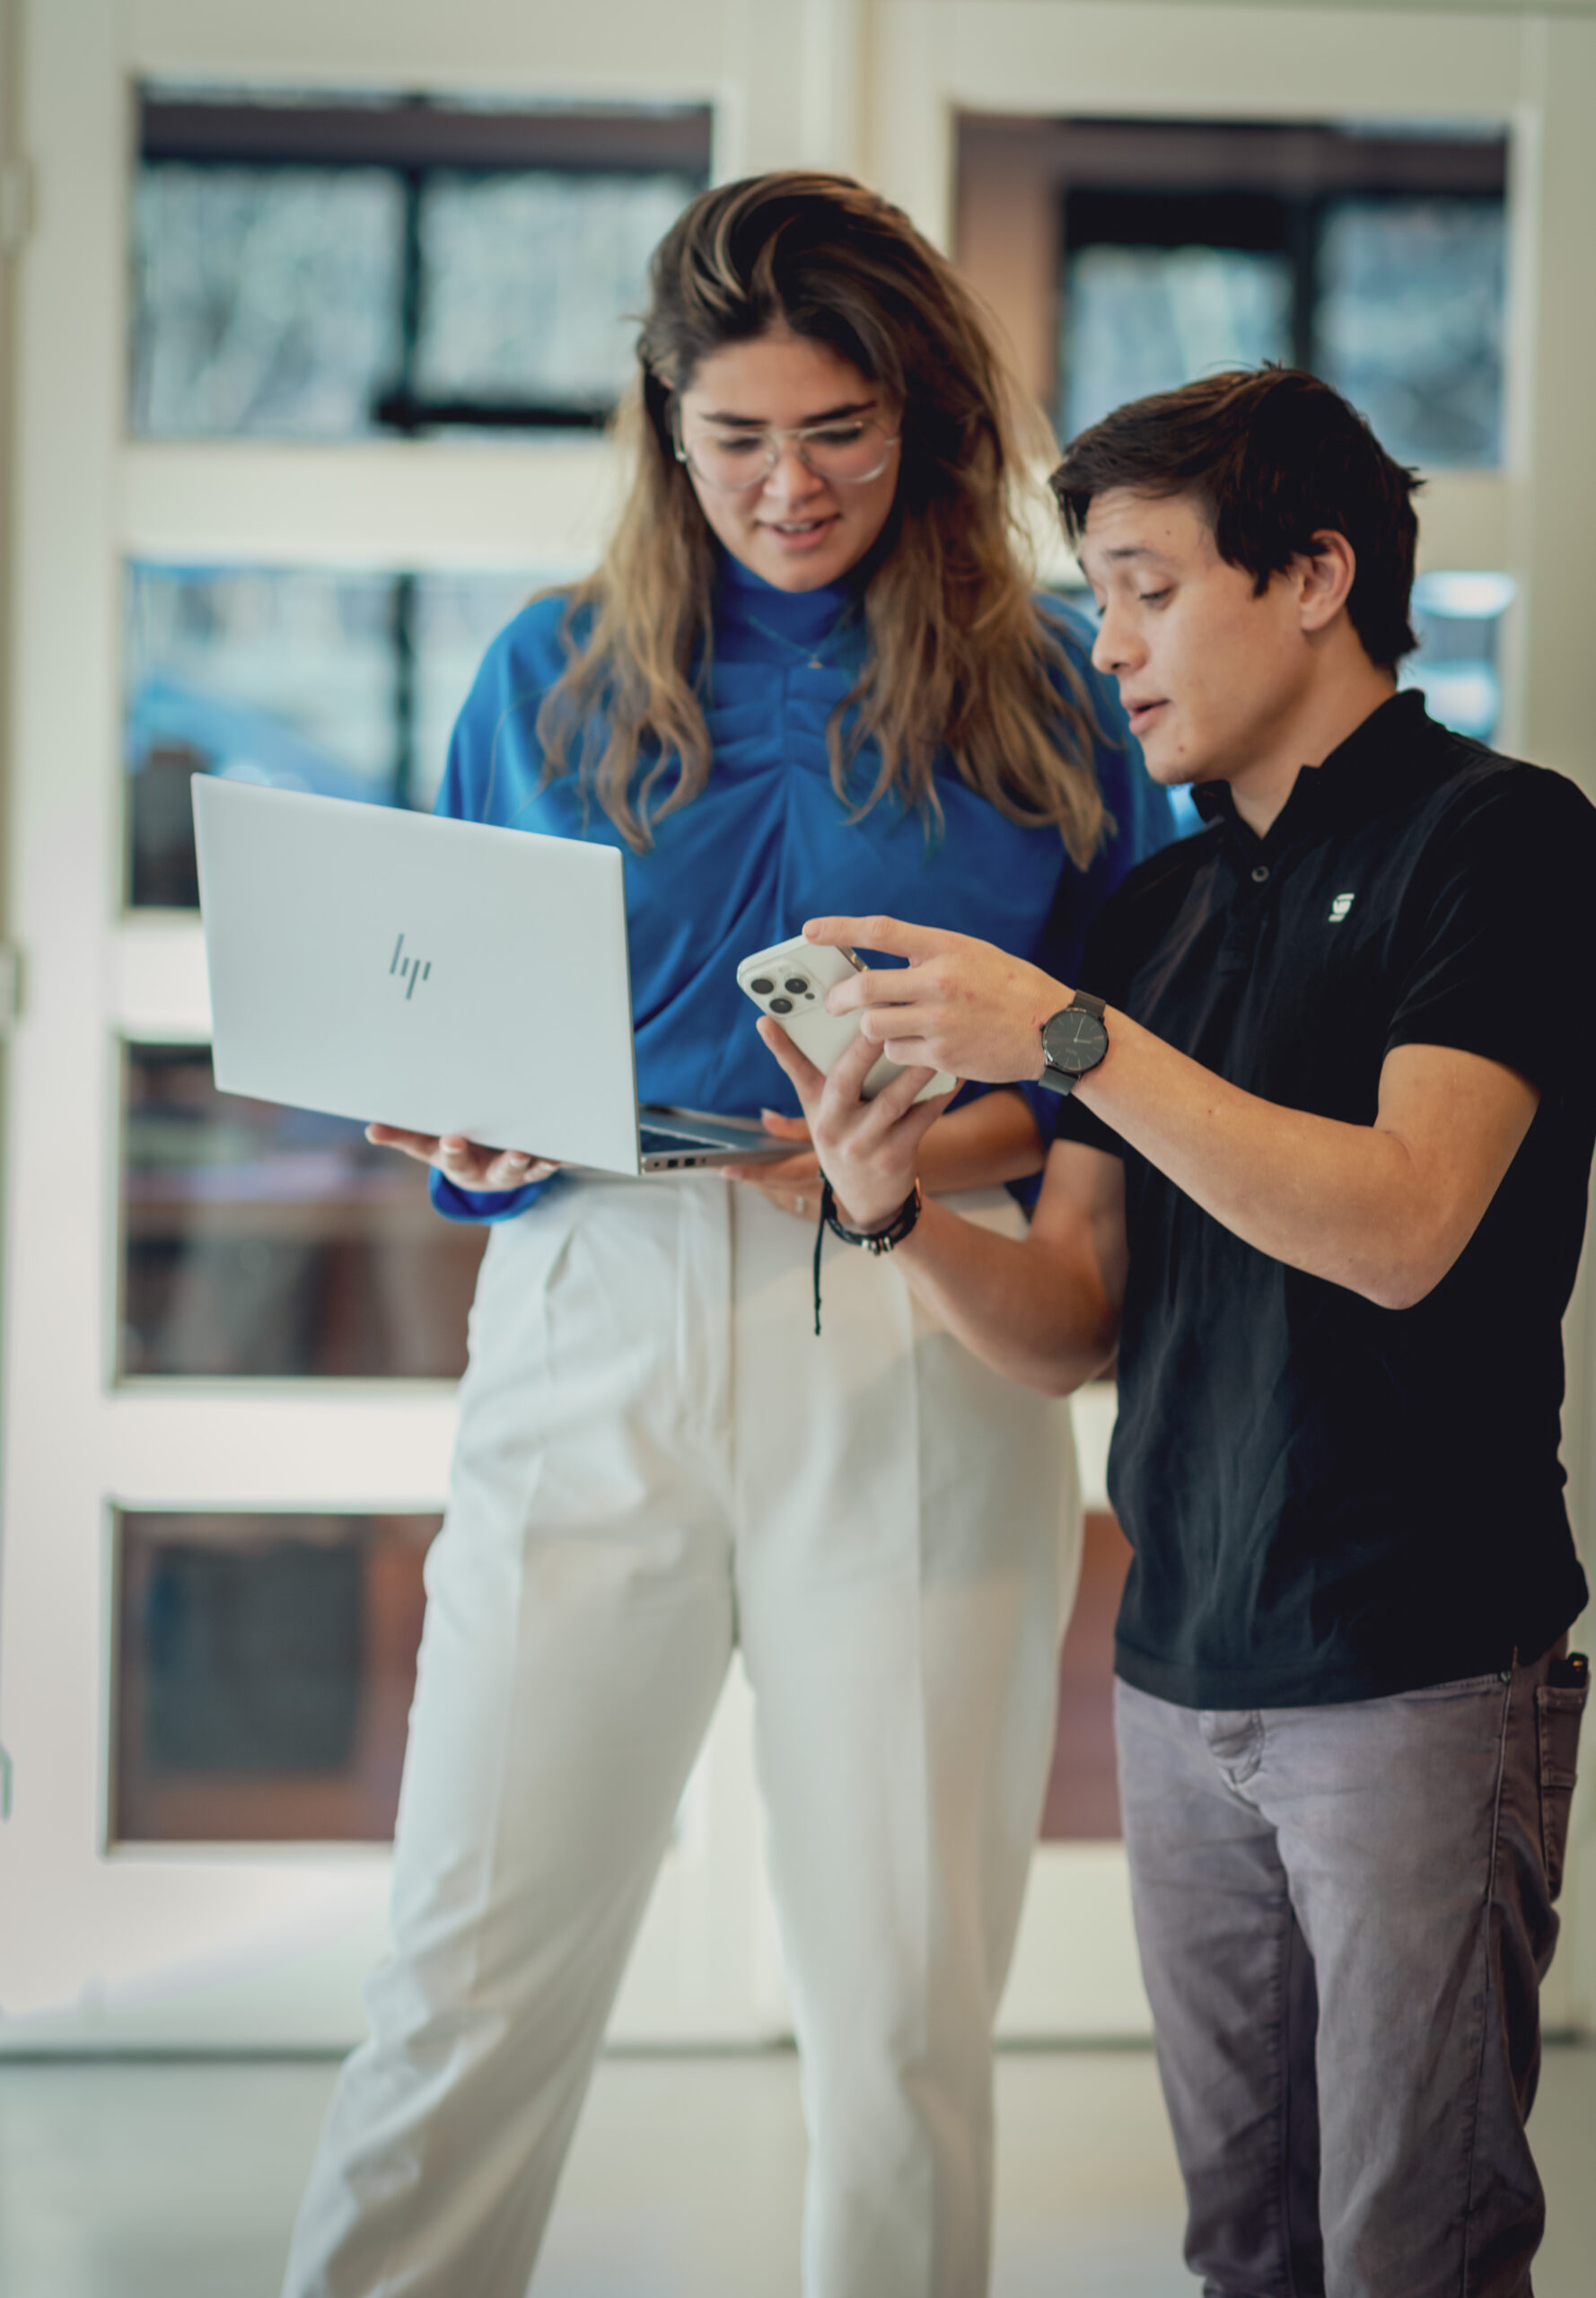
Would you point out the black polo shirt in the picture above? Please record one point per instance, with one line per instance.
(1330, 1501)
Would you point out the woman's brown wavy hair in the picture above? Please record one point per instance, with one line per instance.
(957, 657)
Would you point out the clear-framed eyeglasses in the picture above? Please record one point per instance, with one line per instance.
(846, 453)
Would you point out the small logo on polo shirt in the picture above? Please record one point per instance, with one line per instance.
(1339, 906)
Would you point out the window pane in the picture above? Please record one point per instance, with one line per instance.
(265, 300)
(274, 1243)
(1409, 322)
(1457, 618)
(265, 1670)
(1147, 318)
(346, 684)
(532, 285)
(456, 615)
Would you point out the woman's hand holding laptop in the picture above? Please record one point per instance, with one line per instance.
(465, 1162)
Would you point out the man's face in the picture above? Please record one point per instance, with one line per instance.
(1210, 675)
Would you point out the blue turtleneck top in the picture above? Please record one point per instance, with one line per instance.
(767, 842)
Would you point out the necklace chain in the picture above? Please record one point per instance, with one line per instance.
(815, 650)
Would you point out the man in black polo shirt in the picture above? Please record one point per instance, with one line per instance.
(1321, 1182)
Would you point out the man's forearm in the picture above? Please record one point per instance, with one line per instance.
(1037, 1313)
(1383, 1207)
(1359, 1204)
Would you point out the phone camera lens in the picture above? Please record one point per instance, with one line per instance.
(781, 1005)
(798, 986)
(763, 987)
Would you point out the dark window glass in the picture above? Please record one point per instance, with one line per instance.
(273, 1242)
(323, 269)
(266, 302)
(1161, 250)
(265, 1670)
(1408, 323)
(1143, 320)
(532, 285)
(1397, 299)
(343, 683)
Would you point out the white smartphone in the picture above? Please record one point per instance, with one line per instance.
(789, 982)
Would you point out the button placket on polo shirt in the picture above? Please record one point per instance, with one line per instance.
(1249, 904)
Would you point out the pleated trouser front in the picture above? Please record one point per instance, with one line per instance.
(656, 1461)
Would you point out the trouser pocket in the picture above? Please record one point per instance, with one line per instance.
(1559, 1709)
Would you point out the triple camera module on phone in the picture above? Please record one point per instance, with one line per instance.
(763, 987)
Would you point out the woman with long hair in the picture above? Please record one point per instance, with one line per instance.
(808, 675)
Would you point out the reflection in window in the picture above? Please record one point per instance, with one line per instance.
(346, 684)
(264, 1667)
(1408, 323)
(272, 1243)
(321, 268)
(1457, 618)
(1147, 318)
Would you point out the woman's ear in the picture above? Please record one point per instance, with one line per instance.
(1325, 577)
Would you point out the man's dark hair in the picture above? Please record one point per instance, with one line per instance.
(1274, 456)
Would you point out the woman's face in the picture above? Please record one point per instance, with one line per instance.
(793, 528)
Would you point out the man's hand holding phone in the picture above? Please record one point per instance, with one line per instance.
(465, 1162)
(957, 1002)
(868, 1150)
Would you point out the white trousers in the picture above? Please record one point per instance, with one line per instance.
(656, 1461)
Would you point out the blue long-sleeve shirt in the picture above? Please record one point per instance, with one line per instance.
(767, 842)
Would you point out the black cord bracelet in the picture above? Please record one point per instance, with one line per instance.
(870, 1240)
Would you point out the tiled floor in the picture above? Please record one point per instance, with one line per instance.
(178, 2179)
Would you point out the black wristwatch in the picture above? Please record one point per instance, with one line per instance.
(1072, 1042)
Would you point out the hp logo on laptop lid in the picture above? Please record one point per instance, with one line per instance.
(410, 970)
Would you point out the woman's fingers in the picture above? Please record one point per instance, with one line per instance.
(466, 1162)
(515, 1169)
(777, 1173)
(790, 1128)
(424, 1146)
(791, 1184)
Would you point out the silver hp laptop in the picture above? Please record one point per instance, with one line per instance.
(444, 976)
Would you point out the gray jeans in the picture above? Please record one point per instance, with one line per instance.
(1344, 1916)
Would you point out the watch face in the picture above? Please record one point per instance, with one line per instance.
(1075, 1040)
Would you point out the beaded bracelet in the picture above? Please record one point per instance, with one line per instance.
(870, 1240)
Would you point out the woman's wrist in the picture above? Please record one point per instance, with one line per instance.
(982, 1143)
